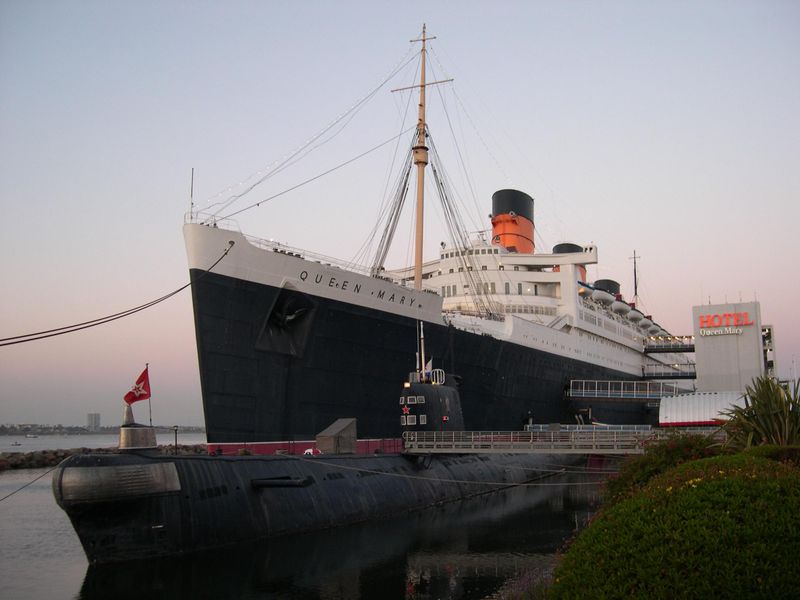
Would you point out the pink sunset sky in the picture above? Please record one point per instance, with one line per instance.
(670, 128)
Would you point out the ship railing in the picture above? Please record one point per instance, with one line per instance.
(585, 427)
(669, 343)
(280, 247)
(211, 220)
(598, 441)
(671, 340)
(322, 259)
(666, 370)
(635, 390)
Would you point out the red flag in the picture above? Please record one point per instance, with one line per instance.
(140, 390)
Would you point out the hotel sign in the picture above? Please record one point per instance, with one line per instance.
(724, 323)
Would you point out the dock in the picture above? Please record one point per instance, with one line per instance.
(581, 441)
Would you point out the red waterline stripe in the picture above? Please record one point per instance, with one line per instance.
(711, 423)
(367, 446)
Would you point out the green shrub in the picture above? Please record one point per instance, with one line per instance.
(722, 527)
(785, 454)
(660, 456)
(770, 415)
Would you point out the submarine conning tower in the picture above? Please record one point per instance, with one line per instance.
(512, 221)
(431, 407)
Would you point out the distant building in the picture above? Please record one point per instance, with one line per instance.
(93, 421)
(732, 348)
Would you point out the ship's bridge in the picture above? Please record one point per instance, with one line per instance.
(511, 282)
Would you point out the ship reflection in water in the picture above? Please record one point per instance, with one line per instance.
(461, 550)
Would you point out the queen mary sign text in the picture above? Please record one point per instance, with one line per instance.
(724, 323)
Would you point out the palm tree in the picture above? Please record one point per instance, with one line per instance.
(770, 415)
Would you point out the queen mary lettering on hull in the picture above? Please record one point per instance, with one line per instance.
(289, 341)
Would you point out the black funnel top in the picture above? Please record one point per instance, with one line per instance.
(607, 285)
(567, 248)
(506, 201)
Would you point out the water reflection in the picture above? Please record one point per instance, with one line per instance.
(462, 550)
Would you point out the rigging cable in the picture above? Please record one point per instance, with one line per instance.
(532, 482)
(392, 218)
(461, 159)
(309, 180)
(364, 251)
(39, 335)
(289, 159)
(480, 292)
(34, 480)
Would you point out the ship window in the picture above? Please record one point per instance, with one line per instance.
(444, 293)
(460, 269)
(535, 290)
(420, 399)
(493, 288)
(412, 400)
(484, 267)
(411, 420)
(502, 268)
(516, 268)
(483, 251)
(423, 419)
(402, 400)
(508, 287)
(402, 419)
(519, 287)
(451, 270)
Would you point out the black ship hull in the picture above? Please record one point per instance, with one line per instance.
(278, 364)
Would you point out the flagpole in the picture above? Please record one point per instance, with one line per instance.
(149, 405)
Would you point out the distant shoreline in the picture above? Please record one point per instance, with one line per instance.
(7, 431)
(50, 458)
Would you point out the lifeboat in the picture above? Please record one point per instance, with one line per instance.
(655, 329)
(635, 315)
(645, 323)
(620, 307)
(602, 296)
(585, 291)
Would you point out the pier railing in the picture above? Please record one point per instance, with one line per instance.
(542, 442)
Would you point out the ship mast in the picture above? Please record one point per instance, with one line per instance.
(421, 161)
(420, 156)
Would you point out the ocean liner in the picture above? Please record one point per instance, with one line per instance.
(288, 341)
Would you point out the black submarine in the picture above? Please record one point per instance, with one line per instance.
(140, 503)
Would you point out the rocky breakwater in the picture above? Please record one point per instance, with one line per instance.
(50, 458)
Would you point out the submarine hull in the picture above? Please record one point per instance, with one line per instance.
(139, 505)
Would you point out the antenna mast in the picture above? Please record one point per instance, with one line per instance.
(191, 194)
(635, 278)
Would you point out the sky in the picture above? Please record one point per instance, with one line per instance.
(666, 128)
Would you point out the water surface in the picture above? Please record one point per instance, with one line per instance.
(463, 550)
